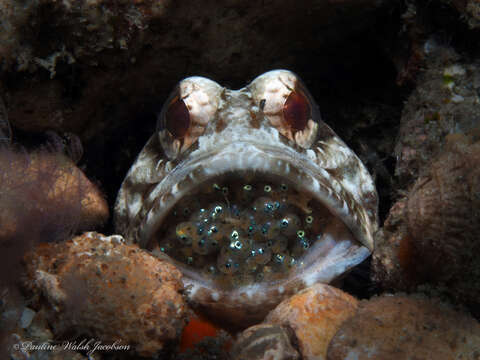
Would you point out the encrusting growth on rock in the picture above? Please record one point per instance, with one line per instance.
(315, 314)
(431, 235)
(98, 286)
(406, 327)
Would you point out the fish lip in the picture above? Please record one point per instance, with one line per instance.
(251, 156)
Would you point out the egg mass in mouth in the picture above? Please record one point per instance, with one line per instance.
(242, 228)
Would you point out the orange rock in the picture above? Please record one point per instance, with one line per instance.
(101, 287)
(406, 327)
(315, 314)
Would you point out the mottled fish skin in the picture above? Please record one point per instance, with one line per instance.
(243, 129)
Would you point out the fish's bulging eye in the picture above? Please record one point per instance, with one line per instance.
(287, 106)
(186, 114)
(177, 118)
(296, 111)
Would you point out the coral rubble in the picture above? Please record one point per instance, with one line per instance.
(98, 286)
(314, 314)
(402, 327)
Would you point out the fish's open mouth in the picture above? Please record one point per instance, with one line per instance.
(222, 217)
(250, 193)
(244, 227)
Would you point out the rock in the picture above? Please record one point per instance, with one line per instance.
(106, 57)
(264, 342)
(48, 190)
(431, 236)
(469, 10)
(406, 327)
(5, 130)
(445, 101)
(314, 314)
(100, 287)
(44, 197)
(27, 317)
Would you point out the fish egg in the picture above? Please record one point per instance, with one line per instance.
(227, 263)
(185, 231)
(289, 224)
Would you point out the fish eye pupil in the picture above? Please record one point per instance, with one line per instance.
(296, 111)
(177, 118)
(262, 104)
